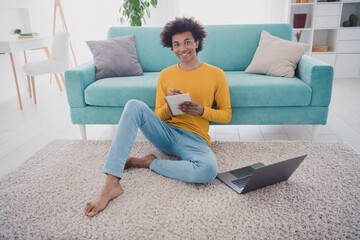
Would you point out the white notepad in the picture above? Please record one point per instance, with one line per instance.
(173, 101)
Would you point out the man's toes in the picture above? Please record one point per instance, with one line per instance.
(93, 212)
(88, 207)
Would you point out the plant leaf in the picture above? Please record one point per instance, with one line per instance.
(154, 3)
(133, 11)
(136, 5)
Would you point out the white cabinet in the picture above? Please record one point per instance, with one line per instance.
(324, 27)
(349, 41)
(325, 57)
(328, 10)
(348, 46)
(347, 65)
(349, 34)
(327, 16)
(326, 22)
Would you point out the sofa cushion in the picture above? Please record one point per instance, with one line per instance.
(276, 56)
(115, 57)
(246, 90)
(256, 90)
(115, 92)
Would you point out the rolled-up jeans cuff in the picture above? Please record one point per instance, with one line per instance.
(153, 164)
(113, 173)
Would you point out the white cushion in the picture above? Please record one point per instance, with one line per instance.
(276, 56)
(45, 67)
(60, 49)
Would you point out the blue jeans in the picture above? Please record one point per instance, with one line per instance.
(197, 165)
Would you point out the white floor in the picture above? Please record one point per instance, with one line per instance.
(22, 133)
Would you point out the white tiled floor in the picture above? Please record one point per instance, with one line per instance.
(22, 133)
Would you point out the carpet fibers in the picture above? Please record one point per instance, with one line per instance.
(45, 197)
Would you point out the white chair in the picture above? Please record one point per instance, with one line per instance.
(59, 62)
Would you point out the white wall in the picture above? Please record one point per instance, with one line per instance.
(236, 11)
(90, 20)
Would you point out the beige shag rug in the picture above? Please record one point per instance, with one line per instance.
(45, 197)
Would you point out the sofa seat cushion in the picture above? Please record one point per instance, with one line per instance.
(257, 90)
(116, 91)
(246, 90)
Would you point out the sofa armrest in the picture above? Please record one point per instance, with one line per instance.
(319, 76)
(77, 79)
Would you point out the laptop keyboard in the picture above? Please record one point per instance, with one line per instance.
(242, 172)
(241, 182)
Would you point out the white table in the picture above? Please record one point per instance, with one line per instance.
(13, 44)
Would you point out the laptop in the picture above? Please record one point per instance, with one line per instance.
(256, 176)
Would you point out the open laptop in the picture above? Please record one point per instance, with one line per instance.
(256, 176)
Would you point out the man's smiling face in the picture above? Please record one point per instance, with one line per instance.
(184, 46)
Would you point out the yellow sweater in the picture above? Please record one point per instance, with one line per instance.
(205, 84)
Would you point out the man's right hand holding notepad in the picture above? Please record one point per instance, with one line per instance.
(180, 103)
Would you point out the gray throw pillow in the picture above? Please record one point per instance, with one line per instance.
(115, 57)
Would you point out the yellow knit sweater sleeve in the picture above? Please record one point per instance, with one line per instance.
(223, 113)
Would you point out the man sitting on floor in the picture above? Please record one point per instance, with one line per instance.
(185, 135)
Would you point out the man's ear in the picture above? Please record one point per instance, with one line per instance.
(197, 43)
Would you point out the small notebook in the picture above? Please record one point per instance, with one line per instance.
(173, 101)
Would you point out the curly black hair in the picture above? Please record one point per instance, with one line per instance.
(180, 25)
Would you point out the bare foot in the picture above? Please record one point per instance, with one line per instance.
(112, 189)
(143, 162)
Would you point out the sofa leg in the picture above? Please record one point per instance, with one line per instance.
(82, 131)
(315, 132)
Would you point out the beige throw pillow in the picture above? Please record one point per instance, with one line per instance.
(276, 57)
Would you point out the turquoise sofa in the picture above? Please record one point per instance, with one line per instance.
(255, 99)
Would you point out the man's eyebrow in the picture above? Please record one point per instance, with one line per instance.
(184, 40)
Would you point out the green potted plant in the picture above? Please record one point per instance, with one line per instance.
(133, 11)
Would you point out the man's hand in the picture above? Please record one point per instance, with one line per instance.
(173, 92)
(191, 108)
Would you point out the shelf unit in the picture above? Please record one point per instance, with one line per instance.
(324, 28)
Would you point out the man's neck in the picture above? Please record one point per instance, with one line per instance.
(188, 66)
